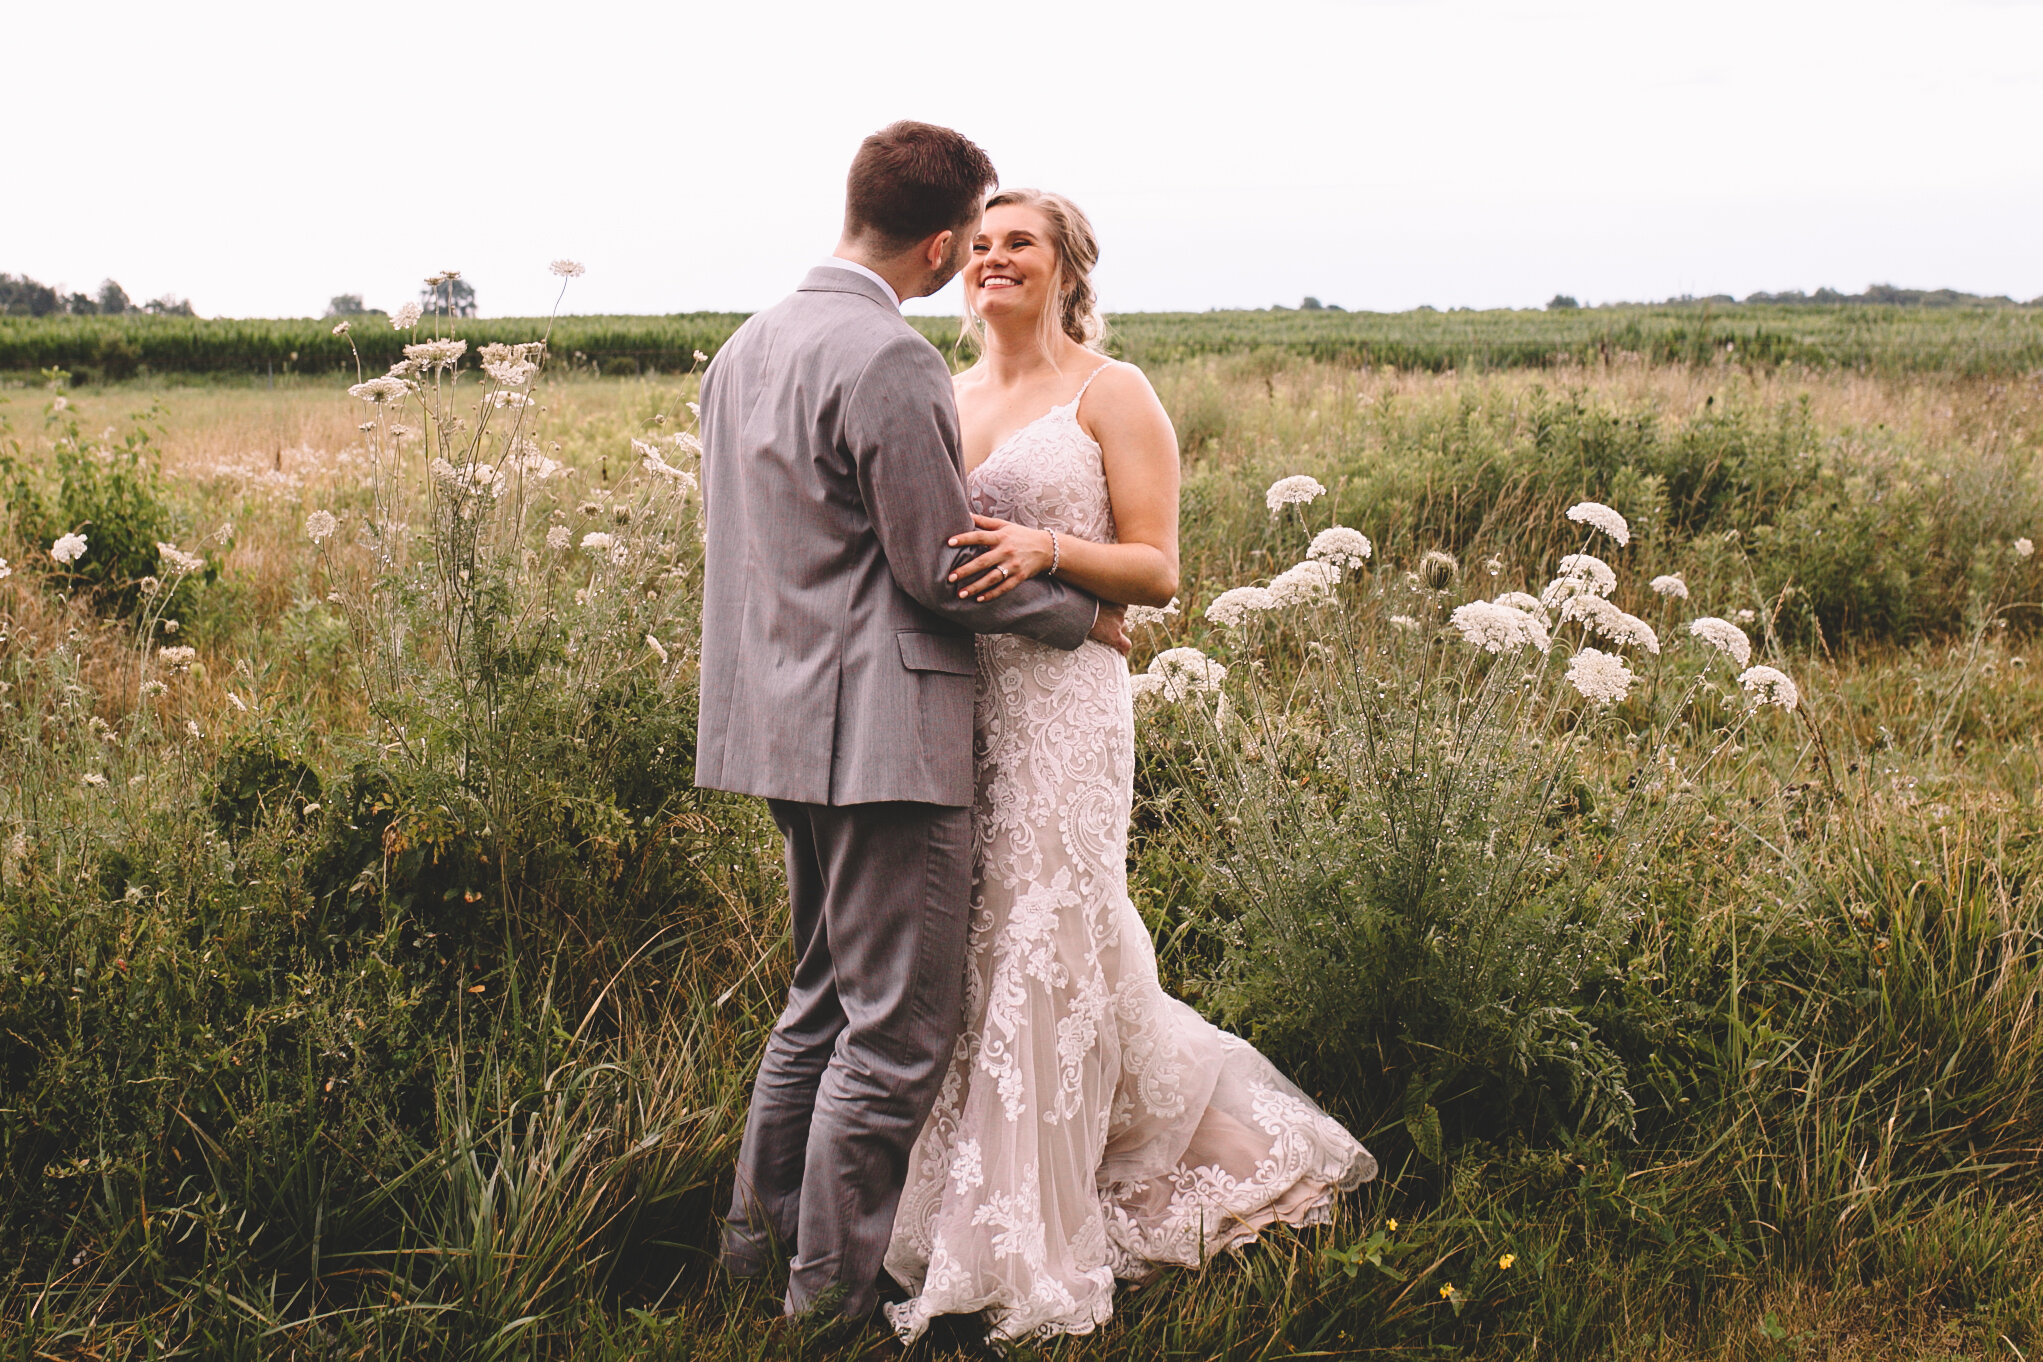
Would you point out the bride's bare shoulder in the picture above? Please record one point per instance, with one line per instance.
(1119, 395)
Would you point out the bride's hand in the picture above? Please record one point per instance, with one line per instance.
(1011, 554)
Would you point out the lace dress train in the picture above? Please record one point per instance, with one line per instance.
(1090, 1127)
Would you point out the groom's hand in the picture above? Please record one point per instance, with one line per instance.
(1107, 628)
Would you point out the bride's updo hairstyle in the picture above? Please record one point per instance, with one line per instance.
(1077, 312)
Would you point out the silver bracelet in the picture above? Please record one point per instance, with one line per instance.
(1056, 555)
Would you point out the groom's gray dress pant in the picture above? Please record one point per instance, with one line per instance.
(880, 915)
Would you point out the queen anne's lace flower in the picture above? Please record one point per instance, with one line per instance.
(1768, 686)
(1499, 628)
(567, 269)
(1671, 586)
(176, 560)
(1519, 600)
(1341, 546)
(342, 328)
(177, 655)
(1601, 677)
(1140, 615)
(68, 549)
(436, 354)
(659, 648)
(510, 365)
(2024, 547)
(93, 779)
(1186, 671)
(319, 525)
(1597, 516)
(1145, 685)
(1297, 489)
(1726, 637)
(5, 571)
(1403, 622)
(406, 317)
(1601, 617)
(558, 538)
(596, 542)
(1232, 608)
(1308, 583)
(388, 388)
(1437, 569)
(1581, 574)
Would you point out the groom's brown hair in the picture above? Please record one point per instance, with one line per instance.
(912, 180)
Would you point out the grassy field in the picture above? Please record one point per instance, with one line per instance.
(372, 983)
(1969, 340)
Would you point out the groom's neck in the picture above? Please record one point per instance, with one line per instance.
(902, 272)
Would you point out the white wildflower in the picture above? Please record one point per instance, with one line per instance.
(5, 571)
(501, 399)
(68, 549)
(61, 405)
(436, 354)
(406, 317)
(152, 688)
(177, 561)
(1600, 616)
(1768, 686)
(1747, 616)
(1726, 637)
(1232, 608)
(1311, 582)
(659, 649)
(171, 626)
(1671, 586)
(557, 538)
(1499, 628)
(1341, 546)
(567, 269)
(700, 358)
(1438, 569)
(1185, 671)
(2024, 547)
(92, 779)
(1597, 516)
(1403, 622)
(177, 656)
(1144, 686)
(650, 460)
(236, 701)
(366, 427)
(510, 365)
(385, 389)
(191, 726)
(1601, 677)
(687, 443)
(1519, 600)
(1141, 615)
(342, 328)
(1294, 490)
(319, 525)
(596, 542)
(1581, 574)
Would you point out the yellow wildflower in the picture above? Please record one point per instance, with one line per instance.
(1447, 1292)
(1506, 1261)
(1391, 1225)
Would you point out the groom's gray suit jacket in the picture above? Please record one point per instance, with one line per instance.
(836, 661)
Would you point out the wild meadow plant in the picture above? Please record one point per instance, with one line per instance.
(1438, 831)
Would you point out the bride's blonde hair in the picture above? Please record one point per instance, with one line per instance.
(1076, 312)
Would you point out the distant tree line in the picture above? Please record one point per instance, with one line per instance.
(1883, 295)
(21, 296)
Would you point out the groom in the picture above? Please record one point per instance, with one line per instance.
(837, 672)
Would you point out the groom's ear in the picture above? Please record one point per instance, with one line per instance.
(936, 251)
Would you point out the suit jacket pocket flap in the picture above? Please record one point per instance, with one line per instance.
(938, 653)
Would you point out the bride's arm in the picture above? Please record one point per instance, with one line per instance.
(1140, 453)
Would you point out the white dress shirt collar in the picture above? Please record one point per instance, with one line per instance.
(838, 262)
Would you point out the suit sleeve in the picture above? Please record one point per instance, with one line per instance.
(902, 428)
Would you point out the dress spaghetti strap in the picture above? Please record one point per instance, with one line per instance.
(1079, 396)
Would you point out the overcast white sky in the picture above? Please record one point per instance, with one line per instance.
(263, 157)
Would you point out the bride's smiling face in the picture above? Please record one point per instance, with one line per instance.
(1013, 271)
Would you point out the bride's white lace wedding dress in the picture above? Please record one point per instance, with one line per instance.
(1090, 1127)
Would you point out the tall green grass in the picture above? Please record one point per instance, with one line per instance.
(410, 1009)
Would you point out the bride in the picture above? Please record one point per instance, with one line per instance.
(1089, 1127)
